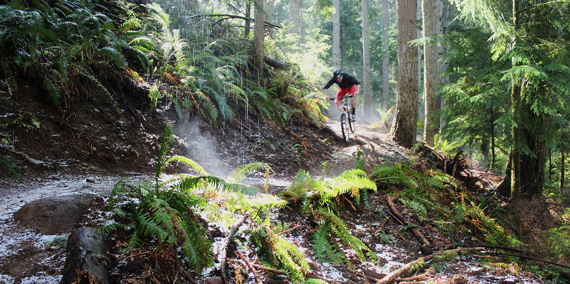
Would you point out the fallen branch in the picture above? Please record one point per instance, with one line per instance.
(226, 243)
(390, 277)
(228, 16)
(250, 266)
(419, 236)
(269, 269)
(417, 277)
(287, 231)
(364, 275)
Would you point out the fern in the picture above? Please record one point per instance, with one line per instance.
(12, 168)
(53, 92)
(241, 172)
(324, 250)
(287, 254)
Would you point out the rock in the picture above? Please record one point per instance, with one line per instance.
(459, 279)
(86, 257)
(55, 214)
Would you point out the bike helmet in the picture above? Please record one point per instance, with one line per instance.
(337, 73)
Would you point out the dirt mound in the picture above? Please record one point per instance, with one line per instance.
(118, 132)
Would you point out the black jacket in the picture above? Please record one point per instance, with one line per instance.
(346, 82)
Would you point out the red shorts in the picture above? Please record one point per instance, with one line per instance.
(342, 92)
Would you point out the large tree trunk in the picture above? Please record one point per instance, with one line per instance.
(366, 59)
(526, 171)
(386, 56)
(405, 122)
(431, 73)
(259, 34)
(269, 8)
(294, 17)
(336, 35)
(247, 22)
(442, 22)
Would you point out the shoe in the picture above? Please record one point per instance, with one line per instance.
(353, 117)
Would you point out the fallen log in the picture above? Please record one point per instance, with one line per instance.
(392, 276)
(274, 63)
(86, 257)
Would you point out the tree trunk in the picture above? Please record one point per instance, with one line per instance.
(336, 35)
(526, 172)
(294, 17)
(431, 73)
(405, 122)
(386, 56)
(259, 34)
(442, 23)
(269, 11)
(247, 22)
(366, 59)
(562, 170)
(492, 126)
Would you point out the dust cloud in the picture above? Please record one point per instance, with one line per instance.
(202, 148)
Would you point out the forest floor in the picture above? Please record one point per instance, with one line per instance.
(90, 146)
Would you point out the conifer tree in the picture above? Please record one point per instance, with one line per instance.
(532, 36)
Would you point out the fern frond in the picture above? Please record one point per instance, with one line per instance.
(323, 249)
(341, 231)
(269, 201)
(114, 56)
(7, 164)
(238, 174)
(52, 91)
(392, 174)
(290, 257)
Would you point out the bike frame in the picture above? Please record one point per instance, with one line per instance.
(346, 123)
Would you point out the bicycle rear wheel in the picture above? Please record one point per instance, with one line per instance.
(344, 126)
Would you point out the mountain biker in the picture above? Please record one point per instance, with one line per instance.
(347, 85)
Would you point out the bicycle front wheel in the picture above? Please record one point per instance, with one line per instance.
(351, 123)
(344, 126)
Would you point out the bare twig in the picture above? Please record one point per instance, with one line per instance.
(250, 266)
(287, 231)
(269, 269)
(419, 236)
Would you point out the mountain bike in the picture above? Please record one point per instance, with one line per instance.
(346, 121)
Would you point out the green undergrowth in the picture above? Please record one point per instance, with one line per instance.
(181, 212)
(72, 48)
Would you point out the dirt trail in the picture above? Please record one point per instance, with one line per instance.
(375, 146)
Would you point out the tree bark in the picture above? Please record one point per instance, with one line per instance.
(430, 69)
(336, 35)
(562, 169)
(405, 122)
(259, 34)
(386, 56)
(85, 260)
(247, 22)
(294, 17)
(366, 59)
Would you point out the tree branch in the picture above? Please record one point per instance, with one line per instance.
(229, 16)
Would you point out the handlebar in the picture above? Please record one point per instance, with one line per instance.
(347, 96)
